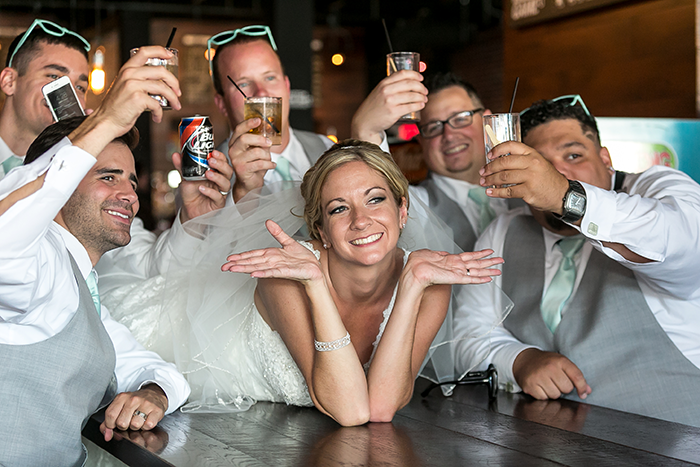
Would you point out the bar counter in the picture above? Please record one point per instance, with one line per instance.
(465, 429)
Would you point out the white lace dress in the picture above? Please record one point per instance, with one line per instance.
(205, 321)
(253, 364)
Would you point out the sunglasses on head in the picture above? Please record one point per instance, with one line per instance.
(49, 28)
(227, 36)
(572, 100)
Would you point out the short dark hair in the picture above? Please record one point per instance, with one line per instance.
(52, 134)
(240, 39)
(542, 112)
(30, 48)
(439, 81)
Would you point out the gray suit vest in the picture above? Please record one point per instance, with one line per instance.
(311, 142)
(608, 331)
(49, 389)
(452, 214)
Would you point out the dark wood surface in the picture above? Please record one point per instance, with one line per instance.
(465, 429)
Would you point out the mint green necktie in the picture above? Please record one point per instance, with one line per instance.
(562, 284)
(486, 213)
(10, 163)
(283, 169)
(92, 286)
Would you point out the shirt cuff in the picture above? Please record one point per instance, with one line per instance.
(177, 394)
(599, 218)
(384, 145)
(182, 243)
(503, 360)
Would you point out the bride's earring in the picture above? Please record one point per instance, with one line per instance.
(325, 246)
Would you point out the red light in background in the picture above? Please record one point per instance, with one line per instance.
(408, 131)
(422, 66)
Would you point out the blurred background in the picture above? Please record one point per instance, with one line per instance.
(626, 58)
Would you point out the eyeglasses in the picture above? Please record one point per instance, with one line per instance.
(49, 28)
(458, 120)
(573, 100)
(488, 377)
(227, 36)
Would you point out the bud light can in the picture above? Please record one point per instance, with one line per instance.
(196, 143)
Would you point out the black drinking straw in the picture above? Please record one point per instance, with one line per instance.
(234, 83)
(391, 49)
(388, 39)
(269, 122)
(515, 89)
(170, 39)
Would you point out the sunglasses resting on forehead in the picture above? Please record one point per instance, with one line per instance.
(227, 36)
(50, 28)
(571, 99)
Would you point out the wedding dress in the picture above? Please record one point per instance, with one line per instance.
(205, 320)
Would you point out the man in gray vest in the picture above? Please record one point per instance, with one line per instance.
(63, 356)
(451, 136)
(602, 270)
(248, 56)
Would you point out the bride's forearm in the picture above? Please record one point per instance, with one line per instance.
(339, 385)
(391, 376)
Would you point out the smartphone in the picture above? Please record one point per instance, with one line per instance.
(62, 100)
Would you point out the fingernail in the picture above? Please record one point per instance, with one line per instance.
(268, 141)
(482, 171)
(482, 181)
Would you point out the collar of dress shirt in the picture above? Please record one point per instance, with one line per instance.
(457, 190)
(5, 151)
(80, 254)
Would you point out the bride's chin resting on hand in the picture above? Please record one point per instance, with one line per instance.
(357, 313)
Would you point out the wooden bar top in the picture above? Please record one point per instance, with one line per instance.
(465, 429)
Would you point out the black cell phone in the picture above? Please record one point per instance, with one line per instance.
(62, 100)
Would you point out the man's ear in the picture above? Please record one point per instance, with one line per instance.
(487, 112)
(8, 80)
(221, 104)
(605, 156)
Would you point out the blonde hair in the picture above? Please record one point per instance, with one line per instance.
(340, 154)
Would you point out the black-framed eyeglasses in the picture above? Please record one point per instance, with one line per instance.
(572, 99)
(458, 120)
(49, 28)
(227, 36)
(488, 377)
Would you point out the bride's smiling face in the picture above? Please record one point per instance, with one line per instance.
(361, 220)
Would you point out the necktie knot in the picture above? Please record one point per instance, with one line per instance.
(283, 169)
(94, 292)
(569, 246)
(10, 163)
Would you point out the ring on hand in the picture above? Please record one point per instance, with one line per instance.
(224, 192)
(468, 273)
(138, 413)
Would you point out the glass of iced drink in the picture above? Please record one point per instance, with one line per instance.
(269, 110)
(397, 61)
(170, 64)
(499, 128)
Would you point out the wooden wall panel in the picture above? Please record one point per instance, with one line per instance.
(635, 59)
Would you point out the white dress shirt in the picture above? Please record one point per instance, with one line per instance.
(657, 217)
(458, 191)
(38, 293)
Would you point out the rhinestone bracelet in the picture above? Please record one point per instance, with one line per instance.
(333, 345)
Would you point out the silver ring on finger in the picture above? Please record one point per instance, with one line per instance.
(138, 413)
(225, 193)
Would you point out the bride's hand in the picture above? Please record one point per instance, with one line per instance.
(429, 267)
(292, 261)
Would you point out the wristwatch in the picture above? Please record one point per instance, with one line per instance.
(574, 203)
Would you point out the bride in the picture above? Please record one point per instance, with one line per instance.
(343, 322)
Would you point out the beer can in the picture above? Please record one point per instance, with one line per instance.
(196, 145)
